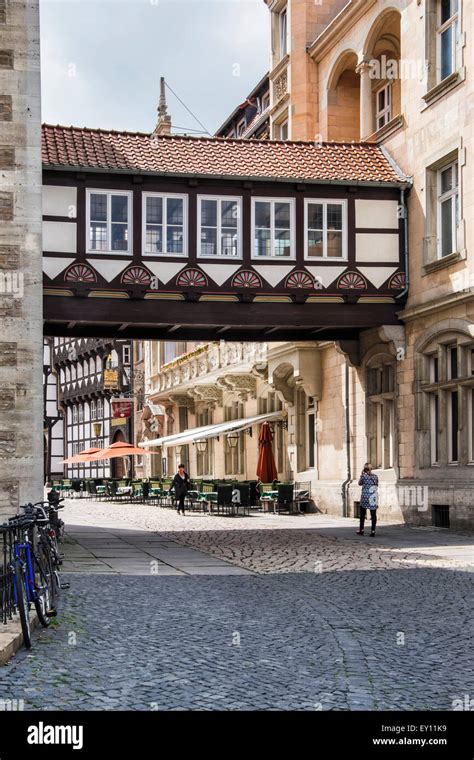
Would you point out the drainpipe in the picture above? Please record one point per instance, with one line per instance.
(404, 206)
(347, 482)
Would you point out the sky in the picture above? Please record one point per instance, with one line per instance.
(102, 60)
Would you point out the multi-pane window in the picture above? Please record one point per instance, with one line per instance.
(448, 17)
(381, 415)
(100, 409)
(74, 413)
(219, 226)
(383, 105)
(81, 413)
(449, 386)
(326, 229)
(93, 409)
(273, 225)
(164, 224)
(109, 221)
(448, 209)
(241, 127)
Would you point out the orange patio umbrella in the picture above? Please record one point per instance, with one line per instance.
(119, 449)
(266, 467)
(82, 456)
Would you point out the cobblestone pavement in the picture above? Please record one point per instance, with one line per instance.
(276, 544)
(390, 639)
(314, 620)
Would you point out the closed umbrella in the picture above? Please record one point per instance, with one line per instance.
(266, 467)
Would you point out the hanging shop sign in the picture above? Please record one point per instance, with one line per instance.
(111, 378)
(121, 408)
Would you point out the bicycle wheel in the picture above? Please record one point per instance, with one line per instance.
(22, 602)
(45, 583)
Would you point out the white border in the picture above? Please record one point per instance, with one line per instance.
(273, 200)
(102, 191)
(185, 199)
(342, 202)
(218, 257)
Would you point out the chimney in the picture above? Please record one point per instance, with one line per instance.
(163, 125)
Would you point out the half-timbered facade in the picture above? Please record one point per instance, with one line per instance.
(52, 416)
(185, 237)
(91, 375)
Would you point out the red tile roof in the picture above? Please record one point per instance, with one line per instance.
(182, 155)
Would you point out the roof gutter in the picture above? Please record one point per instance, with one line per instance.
(237, 178)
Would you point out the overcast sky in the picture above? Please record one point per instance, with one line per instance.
(102, 59)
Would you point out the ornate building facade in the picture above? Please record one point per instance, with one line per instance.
(396, 73)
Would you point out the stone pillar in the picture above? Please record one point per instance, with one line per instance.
(21, 342)
(366, 114)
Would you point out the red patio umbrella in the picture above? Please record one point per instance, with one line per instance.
(266, 467)
(119, 449)
(82, 456)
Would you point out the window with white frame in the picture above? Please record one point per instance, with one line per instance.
(448, 208)
(273, 228)
(325, 229)
(93, 409)
(383, 105)
(164, 224)
(219, 227)
(81, 413)
(74, 414)
(109, 221)
(126, 354)
(283, 32)
(100, 409)
(447, 32)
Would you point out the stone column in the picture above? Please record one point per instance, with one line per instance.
(366, 109)
(21, 340)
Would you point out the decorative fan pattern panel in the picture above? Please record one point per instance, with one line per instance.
(246, 279)
(136, 276)
(80, 273)
(397, 282)
(192, 278)
(299, 279)
(351, 281)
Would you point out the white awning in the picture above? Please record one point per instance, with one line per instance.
(212, 431)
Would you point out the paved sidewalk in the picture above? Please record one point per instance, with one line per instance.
(91, 549)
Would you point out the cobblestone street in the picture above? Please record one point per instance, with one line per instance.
(252, 613)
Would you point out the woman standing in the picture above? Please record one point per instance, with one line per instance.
(180, 486)
(368, 498)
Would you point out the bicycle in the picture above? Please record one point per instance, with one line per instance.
(33, 575)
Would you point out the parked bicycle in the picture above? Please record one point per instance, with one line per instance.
(32, 567)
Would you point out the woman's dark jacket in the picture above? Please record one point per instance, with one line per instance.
(180, 485)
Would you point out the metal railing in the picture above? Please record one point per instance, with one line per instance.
(8, 536)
